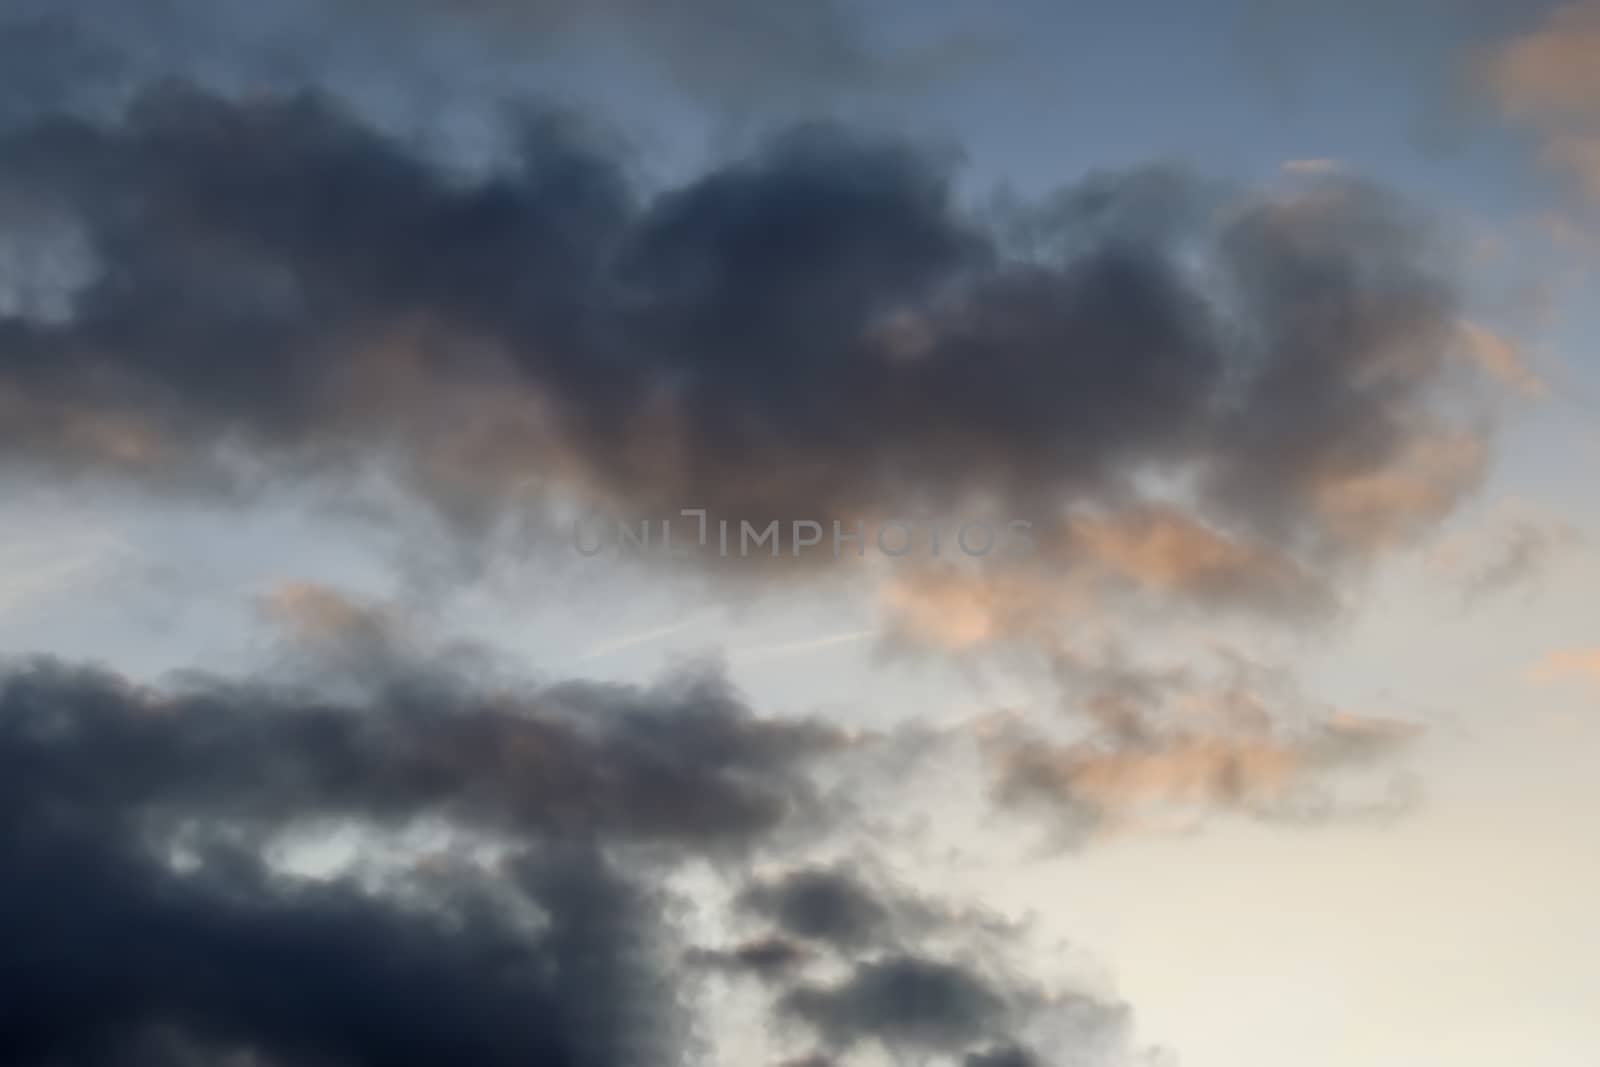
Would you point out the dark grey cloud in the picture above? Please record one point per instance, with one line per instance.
(766, 957)
(115, 959)
(818, 330)
(905, 1001)
(149, 920)
(913, 1004)
(820, 904)
(920, 975)
(143, 924)
(1001, 1056)
(685, 764)
(851, 908)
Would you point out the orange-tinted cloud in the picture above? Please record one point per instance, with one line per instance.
(1163, 550)
(956, 610)
(1086, 567)
(1549, 78)
(1374, 508)
(1187, 778)
(317, 613)
(1168, 744)
(1582, 663)
(1503, 360)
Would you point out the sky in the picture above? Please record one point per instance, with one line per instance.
(622, 534)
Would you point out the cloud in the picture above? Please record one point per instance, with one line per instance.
(687, 763)
(853, 909)
(1419, 489)
(909, 973)
(909, 1001)
(165, 804)
(1144, 561)
(955, 610)
(1176, 783)
(1000, 1056)
(1567, 663)
(317, 613)
(1162, 550)
(1548, 71)
(1512, 548)
(1547, 78)
(1503, 360)
(549, 333)
(535, 924)
(227, 960)
(923, 1005)
(251, 290)
(767, 957)
(1171, 747)
(820, 905)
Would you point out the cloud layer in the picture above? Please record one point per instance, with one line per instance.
(248, 291)
(1209, 400)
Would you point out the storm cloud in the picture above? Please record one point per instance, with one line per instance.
(154, 912)
(145, 922)
(683, 764)
(261, 287)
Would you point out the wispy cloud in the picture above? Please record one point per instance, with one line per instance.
(1512, 548)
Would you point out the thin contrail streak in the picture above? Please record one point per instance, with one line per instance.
(606, 648)
(789, 648)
